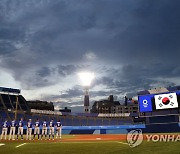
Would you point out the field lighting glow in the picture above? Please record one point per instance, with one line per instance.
(86, 78)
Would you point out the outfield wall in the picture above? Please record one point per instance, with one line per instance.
(116, 129)
(123, 129)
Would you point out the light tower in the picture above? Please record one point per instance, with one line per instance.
(86, 78)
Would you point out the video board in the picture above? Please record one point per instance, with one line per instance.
(155, 102)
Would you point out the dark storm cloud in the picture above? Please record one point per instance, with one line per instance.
(40, 39)
(150, 71)
(8, 32)
(44, 71)
(130, 28)
(42, 77)
(132, 78)
(62, 70)
(65, 70)
(76, 106)
(154, 33)
(6, 47)
(71, 93)
(77, 92)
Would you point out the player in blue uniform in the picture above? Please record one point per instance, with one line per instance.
(12, 129)
(44, 129)
(29, 130)
(4, 129)
(51, 129)
(37, 129)
(59, 129)
(20, 129)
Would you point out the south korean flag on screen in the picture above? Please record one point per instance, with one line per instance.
(166, 101)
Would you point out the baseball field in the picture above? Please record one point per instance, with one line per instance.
(86, 144)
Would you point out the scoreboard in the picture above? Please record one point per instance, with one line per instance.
(161, 101)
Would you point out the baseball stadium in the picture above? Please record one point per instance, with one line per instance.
(155, 126)
(89, 76)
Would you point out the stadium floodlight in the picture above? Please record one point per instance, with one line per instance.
(86, 78)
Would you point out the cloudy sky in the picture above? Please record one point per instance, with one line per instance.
(130, 45)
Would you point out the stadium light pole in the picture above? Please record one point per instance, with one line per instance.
(17, 102)
(86, 78)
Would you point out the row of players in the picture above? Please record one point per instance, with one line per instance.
(20, 125)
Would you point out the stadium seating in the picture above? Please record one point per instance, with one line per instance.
(10, 102)
(76, 122)
(3, 115)
(67, 119)
(7, 101)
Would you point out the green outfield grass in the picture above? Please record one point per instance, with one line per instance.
(98, 147)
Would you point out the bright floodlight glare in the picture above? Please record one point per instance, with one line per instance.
(86, 78)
